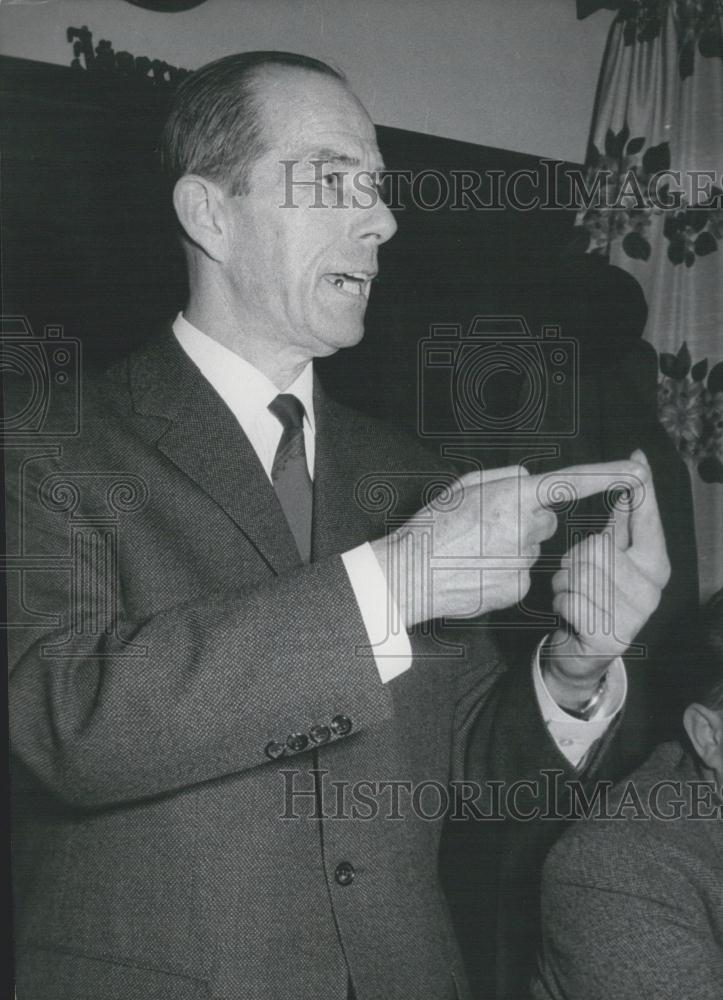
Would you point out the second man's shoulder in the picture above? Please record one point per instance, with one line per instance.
(631, 826)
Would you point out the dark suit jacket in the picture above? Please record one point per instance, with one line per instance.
(170, 636)
(633, 908)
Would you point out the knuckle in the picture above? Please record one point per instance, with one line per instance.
(559, 601)
(524, 582)
(547, 525)
(647, 597)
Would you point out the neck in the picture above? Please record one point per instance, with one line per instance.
(215, 316)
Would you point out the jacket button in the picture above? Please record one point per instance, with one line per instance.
(274, 750)
(297, 742)
(340, 725)
(320, 734)
(344, 873)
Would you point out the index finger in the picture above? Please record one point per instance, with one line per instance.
(565, 486)
(647, 539)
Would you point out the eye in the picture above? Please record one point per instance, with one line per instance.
(333, 179)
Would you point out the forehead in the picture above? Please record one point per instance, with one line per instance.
(304, 111)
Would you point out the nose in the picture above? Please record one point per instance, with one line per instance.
(376, 221)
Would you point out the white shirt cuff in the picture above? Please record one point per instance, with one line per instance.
(388, 640)
(574, 737)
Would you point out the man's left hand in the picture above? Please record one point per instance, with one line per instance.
(608, 587)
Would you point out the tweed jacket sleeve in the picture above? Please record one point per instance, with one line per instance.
(138, 706)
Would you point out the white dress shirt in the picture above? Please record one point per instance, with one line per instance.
(247, 392)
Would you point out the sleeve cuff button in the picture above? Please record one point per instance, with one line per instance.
(297, 742)
(340, 725)
(274, 750)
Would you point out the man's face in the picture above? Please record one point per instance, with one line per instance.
(304, 254)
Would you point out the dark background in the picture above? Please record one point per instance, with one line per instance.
(88, 237)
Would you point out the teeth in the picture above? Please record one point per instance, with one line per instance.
(351, 284)
(357, 283)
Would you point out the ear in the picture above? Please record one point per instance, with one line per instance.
(704, 727)
(201, 208)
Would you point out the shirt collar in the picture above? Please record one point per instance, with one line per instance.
(245, 390)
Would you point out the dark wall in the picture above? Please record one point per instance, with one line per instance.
(86, 243)
(88, 239)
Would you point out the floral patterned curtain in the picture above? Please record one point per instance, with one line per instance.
(654, 205)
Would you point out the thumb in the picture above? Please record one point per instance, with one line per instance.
(480, 477)
(619, 525)
(619, 522)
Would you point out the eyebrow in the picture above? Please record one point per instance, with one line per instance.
(328, 155)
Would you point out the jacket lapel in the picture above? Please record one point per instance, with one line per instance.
(201, 436)
(341, 461)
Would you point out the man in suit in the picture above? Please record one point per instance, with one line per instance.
(633, 903)
(211, 660)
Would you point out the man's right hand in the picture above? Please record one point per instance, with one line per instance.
(470, 551)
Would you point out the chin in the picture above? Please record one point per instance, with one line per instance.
(340, 338)
(353, 339)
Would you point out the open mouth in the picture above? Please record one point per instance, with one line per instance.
(355, 283)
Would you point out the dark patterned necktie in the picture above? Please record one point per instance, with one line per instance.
(290, 473)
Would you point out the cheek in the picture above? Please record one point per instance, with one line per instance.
(288, 255)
